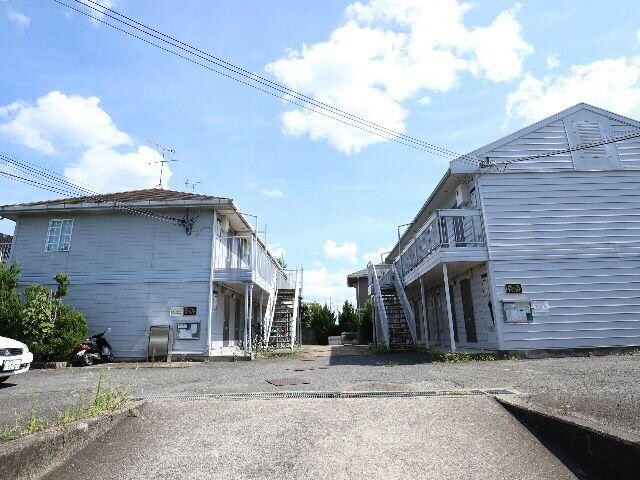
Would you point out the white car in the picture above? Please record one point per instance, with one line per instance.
(15, 358)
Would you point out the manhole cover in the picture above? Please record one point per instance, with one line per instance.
(281, 382)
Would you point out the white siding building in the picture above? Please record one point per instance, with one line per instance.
(530, 250)
(188, 265)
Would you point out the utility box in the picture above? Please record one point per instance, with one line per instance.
(159, 337)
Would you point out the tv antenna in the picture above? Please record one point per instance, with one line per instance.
(192, 184)
(163, 151)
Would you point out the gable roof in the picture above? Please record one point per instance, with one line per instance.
(425, 211)
(541, 123)
(133, 196)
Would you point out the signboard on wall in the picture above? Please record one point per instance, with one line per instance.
(540, 306)
(188, 330)
(517, 312)
(182, 311)
(513, 288)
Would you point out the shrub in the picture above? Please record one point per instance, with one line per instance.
(50, 328)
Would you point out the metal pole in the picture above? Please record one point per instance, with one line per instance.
(424, 315)
(246, 315)
(445, 273)
(250, 317)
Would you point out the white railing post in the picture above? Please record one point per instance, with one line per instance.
(296, 299)
(271, 306)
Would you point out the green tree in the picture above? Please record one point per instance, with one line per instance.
(366, 323)
(323, 322)
(10, 303)
(282, 263)
(348, 320)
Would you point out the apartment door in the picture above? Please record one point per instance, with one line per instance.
(238, 313)
(467, 310)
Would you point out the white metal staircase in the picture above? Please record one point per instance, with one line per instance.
(283, 310)
(397, 320)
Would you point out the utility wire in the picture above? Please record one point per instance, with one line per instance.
(631, 134)
(64, 187)
(284, 93)
(260, 79)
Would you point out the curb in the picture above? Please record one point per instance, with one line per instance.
(610, 452)
(32, 456)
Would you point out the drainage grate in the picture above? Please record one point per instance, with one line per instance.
(369, 394)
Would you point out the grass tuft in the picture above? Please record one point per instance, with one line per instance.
(261, 352)
(436, 355)
(105, 400)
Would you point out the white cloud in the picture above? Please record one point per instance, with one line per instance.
(611, 83)
(71, 120)
(107, 170)
(19, 19)
(388, 51)
(638, 36)
(98, 15)
(552, 61)
(75, 125)
(347, 251)
(277, 251)
(252, 185)
(424, 100)
(375, 256)
(272, 192)
(323, 287)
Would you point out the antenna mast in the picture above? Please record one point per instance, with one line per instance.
(162, 150)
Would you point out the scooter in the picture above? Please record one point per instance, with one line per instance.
(94, 349)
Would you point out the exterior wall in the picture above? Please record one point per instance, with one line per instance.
(571, 239)
(126, 272)
(438, 318)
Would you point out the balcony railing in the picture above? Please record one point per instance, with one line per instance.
(456, 228)
(5, 249)
(237, 252)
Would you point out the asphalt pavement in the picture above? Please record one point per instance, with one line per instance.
(605, 389)
(399, 438)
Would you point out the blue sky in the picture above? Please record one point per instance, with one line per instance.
(82, 99)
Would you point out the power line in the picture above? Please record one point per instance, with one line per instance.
(284, 93)
(67, 188)
(631, 134)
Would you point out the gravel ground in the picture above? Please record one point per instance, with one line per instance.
(400, 438)
(603, 389)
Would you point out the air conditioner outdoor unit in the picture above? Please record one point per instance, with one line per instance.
(462, 196)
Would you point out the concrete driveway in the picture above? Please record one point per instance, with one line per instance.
(399, 438)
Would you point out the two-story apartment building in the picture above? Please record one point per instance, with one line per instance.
(529, 243)
(174, 270)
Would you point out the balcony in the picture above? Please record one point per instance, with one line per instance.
(448, 235)
(5, 249)
(244, 258)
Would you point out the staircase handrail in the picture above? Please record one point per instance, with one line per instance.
(406, 306)
(296, 301)
(271, 307)
(377, 295)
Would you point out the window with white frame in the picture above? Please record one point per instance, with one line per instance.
(59, 235)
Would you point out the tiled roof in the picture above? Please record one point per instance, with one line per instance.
(147, 195)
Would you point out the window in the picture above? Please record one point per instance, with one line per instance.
(59, 235)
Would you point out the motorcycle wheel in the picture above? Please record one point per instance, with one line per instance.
(87, 361)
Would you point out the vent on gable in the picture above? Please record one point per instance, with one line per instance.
(589, 132)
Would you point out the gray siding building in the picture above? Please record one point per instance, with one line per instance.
(191, 265)
(531, 242)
